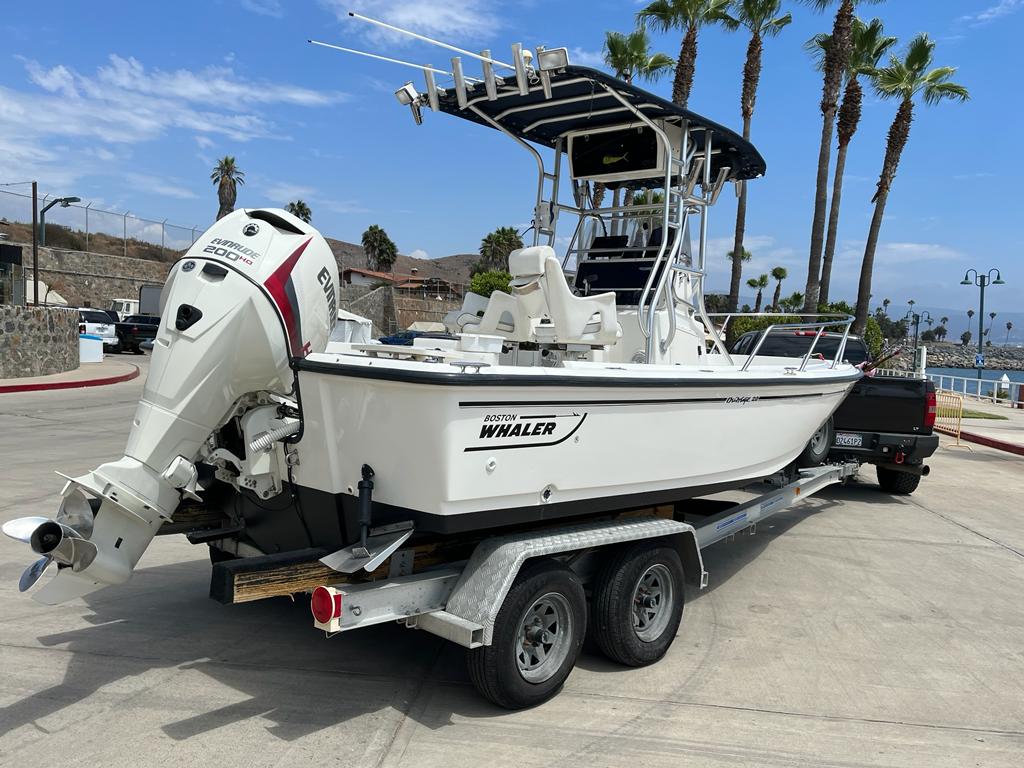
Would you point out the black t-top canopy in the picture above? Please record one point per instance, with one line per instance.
(578, 102)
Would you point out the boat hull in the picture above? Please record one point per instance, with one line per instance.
(461, 451)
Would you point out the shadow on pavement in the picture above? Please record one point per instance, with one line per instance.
(290, 673)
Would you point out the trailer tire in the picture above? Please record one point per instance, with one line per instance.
(896, 482)
(624, 631)
(817, 448)
(546, 602)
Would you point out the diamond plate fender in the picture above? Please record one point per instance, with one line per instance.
(495, 562)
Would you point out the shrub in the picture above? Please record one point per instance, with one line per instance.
(486, 283)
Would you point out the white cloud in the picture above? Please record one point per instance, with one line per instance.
(283, 192)
(158, 186)
(344, 206)
(997, 11)
(450, 21)
(586, 58)
(264, 7)
(204, 142)
(419, 253)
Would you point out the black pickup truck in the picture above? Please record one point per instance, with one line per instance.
(885, 420)
(134, 330)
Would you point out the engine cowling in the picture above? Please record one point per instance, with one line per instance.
(256, 290)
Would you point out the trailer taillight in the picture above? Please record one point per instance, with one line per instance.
(930, 409)
(81, 327)
(325, 604)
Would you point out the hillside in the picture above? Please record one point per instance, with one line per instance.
(453, 269)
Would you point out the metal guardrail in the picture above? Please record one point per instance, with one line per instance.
(837, 320)
(987, 390)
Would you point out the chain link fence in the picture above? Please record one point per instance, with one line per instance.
(84, 227)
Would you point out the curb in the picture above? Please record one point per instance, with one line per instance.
(76, 384)
(993, 443)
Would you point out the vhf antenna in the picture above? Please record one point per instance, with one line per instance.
(407, 95)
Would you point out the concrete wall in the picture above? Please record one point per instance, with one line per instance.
(36, 341)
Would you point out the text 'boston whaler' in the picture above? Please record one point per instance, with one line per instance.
(597, 382)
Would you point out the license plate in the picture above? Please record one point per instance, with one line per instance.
(848, 440)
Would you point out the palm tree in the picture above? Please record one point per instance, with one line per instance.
(792, 302)
(762, 18)
(943, 320)
(381, 251)
(1009, 327)
(226, 177)
(689, 16)
(965, 338)
(991, 320)
(903, 79)
(778, 274)
(970, 316)
(495, 248)
(885, 306)
(300, 210)
(629, 55)
(868, 44)
(760, 283)
(941, 332)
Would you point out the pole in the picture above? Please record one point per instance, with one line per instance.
(35, 243)
(982, 279)
(124, 232)
(87, 226)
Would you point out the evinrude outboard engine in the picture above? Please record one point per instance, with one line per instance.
(258, 288)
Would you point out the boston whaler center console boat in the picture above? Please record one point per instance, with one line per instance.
(596, 384)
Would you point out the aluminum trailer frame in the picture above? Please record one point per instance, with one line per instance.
(460, 602)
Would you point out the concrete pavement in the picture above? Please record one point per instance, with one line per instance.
(112, 370)
(857, 630)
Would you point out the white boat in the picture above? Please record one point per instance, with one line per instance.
(598, 381)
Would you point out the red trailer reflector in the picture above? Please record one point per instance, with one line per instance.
(930, 409)
(325, 604)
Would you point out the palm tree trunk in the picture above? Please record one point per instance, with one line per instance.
(615, 216)
(899, 133)
(757, 302)
(682, 84)
(868, 265)
(751, 76)
(836, 58)
(833, 225)
(778, 294)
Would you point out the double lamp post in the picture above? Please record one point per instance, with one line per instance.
(982, 281)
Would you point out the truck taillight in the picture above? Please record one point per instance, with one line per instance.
(325, 604)
(81, 327)
(930, 409)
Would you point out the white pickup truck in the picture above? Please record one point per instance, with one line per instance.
(97, 323)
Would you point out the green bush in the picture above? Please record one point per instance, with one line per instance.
(873, 338)
(486, 283)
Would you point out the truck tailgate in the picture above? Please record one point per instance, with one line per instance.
(884, 404)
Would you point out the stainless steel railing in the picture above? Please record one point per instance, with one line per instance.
(820, 325)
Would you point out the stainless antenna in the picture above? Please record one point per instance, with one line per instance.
(481, 57)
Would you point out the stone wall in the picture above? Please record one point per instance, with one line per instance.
(92, 279)
(36, 341)
(414, 309)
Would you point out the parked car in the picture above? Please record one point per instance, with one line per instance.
(134, 331)
(114, 318)
(885, 420)
(96, 322)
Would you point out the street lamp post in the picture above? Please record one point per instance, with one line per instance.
(64, 202)
(915, 318)
(982, 281)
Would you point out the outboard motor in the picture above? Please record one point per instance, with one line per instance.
(256, 290)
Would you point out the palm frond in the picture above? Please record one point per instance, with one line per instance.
(933, 94)
(919, 53)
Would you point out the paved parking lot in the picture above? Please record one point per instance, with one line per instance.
(857, 630)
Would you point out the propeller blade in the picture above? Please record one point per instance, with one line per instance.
(22, 528)
(82, 554)
(76, 512)
(33, 572)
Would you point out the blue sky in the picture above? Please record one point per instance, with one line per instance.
(129, 105)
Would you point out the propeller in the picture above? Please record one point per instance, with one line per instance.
(33, 573)
(64, 540)
(22, 528)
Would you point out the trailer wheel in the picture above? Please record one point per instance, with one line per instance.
(817, 448)
(537, 636)
(894, 481)
(638, 603)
